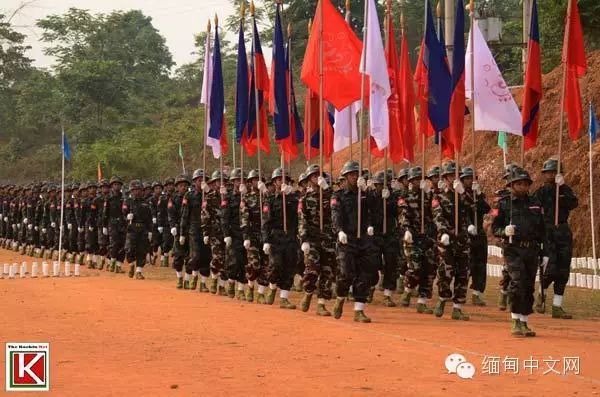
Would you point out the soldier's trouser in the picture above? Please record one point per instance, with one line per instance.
(236, 261)
(319, 272)
(116, 238)
(217, 260)
(180, 253)
(282, 262)
(81, 241)
(300, 266)
(137, 245)
(422, 266)
(522, 264)
(505, 280)
(402, 261)
(560, 250)
(257, 263)
(454, 265)
(91, 240)
(167, 241)
(156, 239)
(391, 262)
(102, 243)
(73, 239)
(199, 253)
(357, 263)
(478, 262)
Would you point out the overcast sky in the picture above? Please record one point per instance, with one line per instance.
(176, 20)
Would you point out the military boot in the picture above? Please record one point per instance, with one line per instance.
(526, 330)
(231, 290)
(113, 265)
(139, 276)
(101, 263)
(338, 307)
(439, 308)
(194, 283)
(405, 299)
(559, 312)
(91, 264)
(503, 301)
(240, 295)
(305, 304)
(270, 297)
(164, 262)
(131, 271)
(186, 284)
(388, 302)
(179, 282)
(213, 286)
(423, 309)
(457, 314)
(371, 293)
(203, 288)
(250, 294)
(477, 301)
(515, 329)
(400, 284)
(361, 317)
(540, 305)
(260, 299)
(80, 260)
(284, 303)
(119, 268)
(322, 310)
(222, 290)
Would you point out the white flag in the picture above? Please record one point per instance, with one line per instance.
(495, 107)
(373, 64)
(345, 126)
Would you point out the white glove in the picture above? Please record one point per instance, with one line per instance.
(395, 185)
(130, 217)
(385, 193)
(267, 248)
(14, 226)
(545, 261)
(29, 226)
(442, 184)
(25, 221)
(160, 229)
(149, 236)
(322, 183)
(477, 188)
(5, 219)
(425, 186)
(223, 190)
(243, 189)
(204, 187)
(90, 228)
(18, 225)
(53, 224)
(370, 231)
(445, 240)
(286, 189)
(80, 229)
(262, 187)
(227, 240)
(205, 239)
(105, 231)
(305, 248)
(154, 220)
(181, 240)
(174, 231)
(370, 184)
(472, 230)
(559, 179)
(459, 187)
(362, 183)
(247, 244)
(342, 238)
(36, 228)
(408, 238)
(509, 230)
(44, 230)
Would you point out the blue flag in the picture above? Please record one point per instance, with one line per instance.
(593, 124)
(216, 134)
(242, 89)
(281, 112)
(66, 148)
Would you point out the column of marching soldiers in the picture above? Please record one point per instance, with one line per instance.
(234, 234)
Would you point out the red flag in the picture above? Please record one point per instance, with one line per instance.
(533, 83)
(576, 64)
(311, 127)
(407, 103)
(396, 147)
(422, 80)
(341, 58)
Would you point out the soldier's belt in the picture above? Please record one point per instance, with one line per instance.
(524, 244)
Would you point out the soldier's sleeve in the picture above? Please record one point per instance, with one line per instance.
(501, 219)
(244, 219)
(404, 214)
(482, 205)
(437, 209)
(568, 199)
(105, 212)
(266, 220)
(205, 217)
(184, 224)
(148, 220)
(226, 215)
(302, 226)
(336, 213)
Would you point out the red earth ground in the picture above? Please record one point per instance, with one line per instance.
(112, 336)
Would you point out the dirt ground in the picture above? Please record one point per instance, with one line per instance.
(110, 335)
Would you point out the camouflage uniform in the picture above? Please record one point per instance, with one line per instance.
(236, 258)
(211, 216)
(250, 211)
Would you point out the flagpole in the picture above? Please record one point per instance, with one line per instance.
(351, 112)
(289, 93)
(526, 59)
(242, 19)
(475, 214)
(321, 105)
(562, 112)
(256, 106)
(439, 32)
(361, 118)
(592, 203)
(220, 146)
(423, 142)
(308, 110)
(385, 152)
(181, 155)
(62, 196)
(206, 110)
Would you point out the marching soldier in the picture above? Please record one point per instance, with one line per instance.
(114, 225)
(560, 237)
(479, 244)
(90, 212)
(453, 248)
(520, 224)
(180, 243)
(318, 246)
(234, 242)
(356, 256)
(102, 238)
(250, 225)
(164, 229)
(157, 188)
(136, 210)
